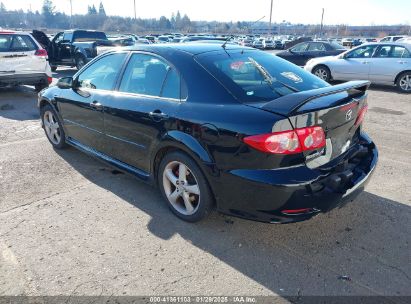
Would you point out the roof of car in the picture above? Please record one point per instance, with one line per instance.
(191, 48)
(399, 43)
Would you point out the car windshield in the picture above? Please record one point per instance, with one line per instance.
(255, 76)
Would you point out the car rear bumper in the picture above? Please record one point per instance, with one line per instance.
(27, 79)
(299, 193)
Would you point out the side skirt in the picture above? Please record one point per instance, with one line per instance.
(111, 161)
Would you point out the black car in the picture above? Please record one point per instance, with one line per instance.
(230, 127)
(302, 52)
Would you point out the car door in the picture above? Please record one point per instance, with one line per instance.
(388, 62)
(354, 65)
(81, 107)
(147, 100)
(65, 47)
(54, 52)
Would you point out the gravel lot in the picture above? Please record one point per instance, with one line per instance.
(70, 225)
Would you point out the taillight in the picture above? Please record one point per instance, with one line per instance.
(288, 142)
(49, 80)
(41, 53)
(361, 115)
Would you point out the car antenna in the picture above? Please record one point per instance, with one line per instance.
(225, 42)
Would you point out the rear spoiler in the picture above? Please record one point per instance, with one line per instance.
(288, 104)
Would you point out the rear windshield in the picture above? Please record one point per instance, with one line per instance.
(89, 36)
(256, 76)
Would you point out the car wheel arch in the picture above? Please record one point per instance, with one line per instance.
(44, 102)
(325, 66)
(177, 140)
(400, 74)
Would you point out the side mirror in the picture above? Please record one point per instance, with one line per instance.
(65, 83)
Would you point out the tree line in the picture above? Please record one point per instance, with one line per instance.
(97, 18)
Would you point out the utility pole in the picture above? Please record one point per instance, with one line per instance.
(322, 24)
(71, 14)
(135, 15)
(271, 14)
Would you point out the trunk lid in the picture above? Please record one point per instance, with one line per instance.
(334, 108)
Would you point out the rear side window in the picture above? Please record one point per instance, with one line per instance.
(149, 75)
(400, 52)
(255, 76)
(102, 74)
(5, 42)
(23, 43)
(316, 47)
(16, 43)
(88, 36)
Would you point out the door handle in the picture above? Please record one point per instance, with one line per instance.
(365, 62)
(157, 115)
(96, 105)
(402, 62)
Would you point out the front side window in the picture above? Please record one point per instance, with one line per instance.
(102, 74)
(58, 38)
(362, 52)
(149, 75)
(67, 36)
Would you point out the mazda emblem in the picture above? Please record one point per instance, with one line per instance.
(348, 115)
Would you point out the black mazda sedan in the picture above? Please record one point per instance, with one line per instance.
(219, 126)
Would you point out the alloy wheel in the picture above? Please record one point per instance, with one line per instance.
(321, 73)
(405, 82)
(52, 127)
(181, 188)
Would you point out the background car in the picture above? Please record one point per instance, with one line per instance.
(391, 38)
(302, 52)
(224, 126)
(23, 61)
(382, 63)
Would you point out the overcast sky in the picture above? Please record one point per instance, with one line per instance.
(355, 12)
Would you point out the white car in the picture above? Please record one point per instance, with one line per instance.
(382, 63)
(391, 38)
(23, 61)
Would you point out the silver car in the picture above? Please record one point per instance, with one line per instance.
(382, 63)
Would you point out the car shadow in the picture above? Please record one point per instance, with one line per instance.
(361, 249)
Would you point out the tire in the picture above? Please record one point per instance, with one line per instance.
(57, 138)
(404, 82)
(80, 61)
(181, 193)
(322, 72)
(53, 68)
